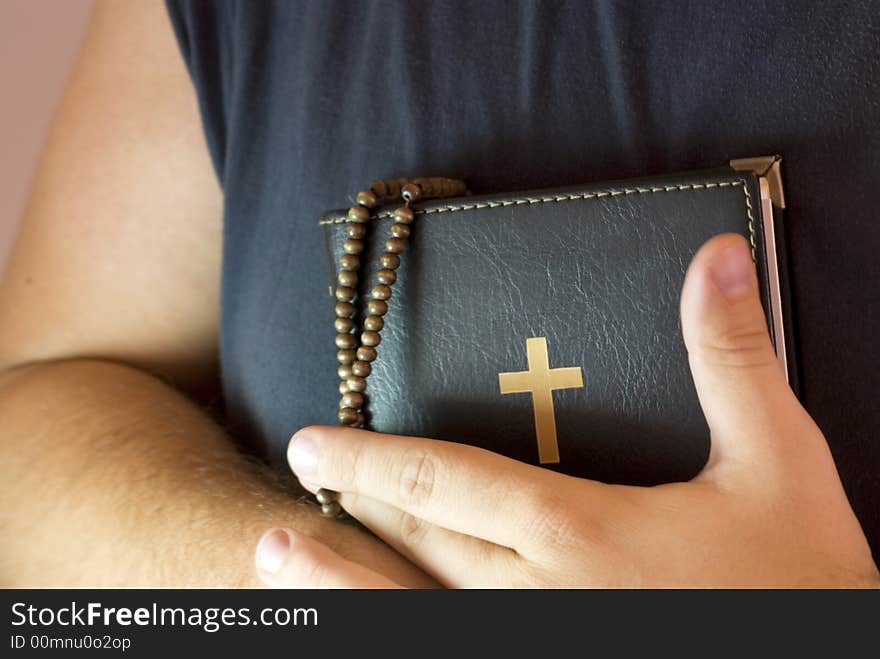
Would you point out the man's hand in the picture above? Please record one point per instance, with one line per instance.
(768, 509)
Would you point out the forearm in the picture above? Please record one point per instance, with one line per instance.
(109, 477)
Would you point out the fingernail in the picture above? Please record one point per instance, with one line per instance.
(303, 455)
(733, 270)
(272, 550)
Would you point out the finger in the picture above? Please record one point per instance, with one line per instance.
(455, 560)
(741, 386)
(455, 486)
(286, 558)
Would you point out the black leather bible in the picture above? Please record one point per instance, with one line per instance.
(544, 325)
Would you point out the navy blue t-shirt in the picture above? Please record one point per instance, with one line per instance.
(305, 103)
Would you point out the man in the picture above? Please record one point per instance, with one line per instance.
(110, 314)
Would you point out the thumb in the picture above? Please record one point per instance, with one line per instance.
(740, 384)
(287, 558)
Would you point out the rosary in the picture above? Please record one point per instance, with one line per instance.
(356, 351)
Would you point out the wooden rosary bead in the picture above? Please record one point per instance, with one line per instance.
(352, 399)
(347, 278)
(380, 292)
(358, 213)
(345, 293)
(411, 192)
(361, 369)
(344, 310)
(404, 215)
(367, 198)
(389, 188)
(436, 186)
(344, 371)
(395, 245)
(386, 276)
(400, 230)
(355, 230)
(370, 339)
(352, 246)
(374, 323)
(348, 416)
(377, 307)
(354, 383)
(326, 496)
(343, 387)
(346, 356)
(343, 325)
(349, 262)
(332, 509)
(346, 341)
(390, 261)
(366, 354)
(379, 188)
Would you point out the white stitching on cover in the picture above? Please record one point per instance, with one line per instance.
(586, 195)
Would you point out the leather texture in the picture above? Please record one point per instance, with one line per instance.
(596, 269)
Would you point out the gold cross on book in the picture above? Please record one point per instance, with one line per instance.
(540, 381)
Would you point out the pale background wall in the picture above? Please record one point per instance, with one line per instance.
(38, 43)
